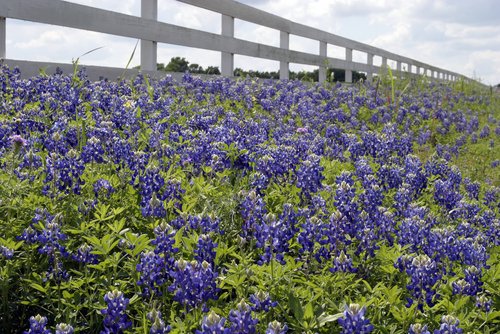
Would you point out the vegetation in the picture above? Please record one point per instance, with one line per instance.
(248, 206)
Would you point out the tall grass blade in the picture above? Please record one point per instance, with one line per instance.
(129, 60)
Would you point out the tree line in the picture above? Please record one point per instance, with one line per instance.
(178, 64)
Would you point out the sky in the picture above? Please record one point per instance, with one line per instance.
(462, 36)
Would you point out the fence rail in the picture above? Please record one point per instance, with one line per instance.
(150, 31)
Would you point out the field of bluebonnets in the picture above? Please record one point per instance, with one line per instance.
(219, 206)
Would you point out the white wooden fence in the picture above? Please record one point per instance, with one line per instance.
(150, 32)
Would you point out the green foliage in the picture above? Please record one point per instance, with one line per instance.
(311, 298)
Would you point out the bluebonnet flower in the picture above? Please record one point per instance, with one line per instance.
(354, 320)
(63, 173)
(213, 324)
(307, 237)
(491, 198)
(18, 142)
(38, 325)
(473, 138)
(93, 151)
(115, 318)
(194, 283)
(103, 187)
(205, 250)
(252, 211)
(164, 244)
(309, 176)
(424, 274)
(343, 263)
(473, 277)
(157, 324)
(261, 302)
(368, 236)
(472, 252)
(6, 253)
(460, 287)
(49, 242)
(151, 184)
(472, 188)
(63, 328)
(241, 319)
(449, 325)
(445, 194)
(153, 207)
(276, 327)
(390, 176)
(402, 198)
(484, 303)
(153, 274)
(485, 132)
(439, 242)
(414, 175)
(84, 255)
(259, 181)
(418, 329)
(273, 234)
(345, 200)
(29, 166)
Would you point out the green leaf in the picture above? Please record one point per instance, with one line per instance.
(309, 311)
(294, 305)
(67, 295)
(326, 318)
(38, 287)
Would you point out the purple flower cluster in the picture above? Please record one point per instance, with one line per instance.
(49, 241)
(115, 318)
(449, 325)
(213, 324)
(261, 302)
(354, 320)
(194, 283)
(424, 275)
(242, 320)
(158, 326)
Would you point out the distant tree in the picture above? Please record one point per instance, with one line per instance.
(212, 70)
(177, 64)
(195, 68)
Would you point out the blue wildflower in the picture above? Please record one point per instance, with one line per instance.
(63, 328)
(354, 320)
(449, 325)
(213, 324)
(242, 320)
(276, 327)
(157, 324)
(37, 325)
(115, 320)
(418, 329)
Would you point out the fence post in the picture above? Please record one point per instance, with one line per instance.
(348, 59)
(322, 69)
(284, 44)
(369, 61)
(227, 59)
(3, 40)
(398, 69)
(149, 10)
